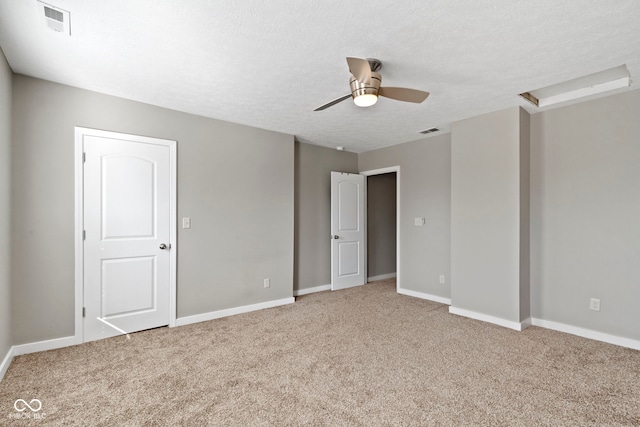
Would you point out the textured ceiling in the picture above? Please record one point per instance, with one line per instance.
(268, 64)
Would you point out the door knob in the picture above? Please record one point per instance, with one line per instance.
(165, 246)
(335, 236)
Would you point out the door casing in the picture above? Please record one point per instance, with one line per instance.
(381, 171)
(80, 132)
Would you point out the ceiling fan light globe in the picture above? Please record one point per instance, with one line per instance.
(365, 100)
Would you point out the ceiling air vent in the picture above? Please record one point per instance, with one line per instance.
(55, 18)
(430, 130)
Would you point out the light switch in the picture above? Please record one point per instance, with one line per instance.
(419, 222)
(186, 222)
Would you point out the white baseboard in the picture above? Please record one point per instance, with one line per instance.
(587, 333)
(6, 362)
(381, 277)
(181, 321)
(44, 345)
(18, 350)
(306, 291)
(517, 326)
(422, 295)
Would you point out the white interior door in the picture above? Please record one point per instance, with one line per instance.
(127, 184)
(348, 247)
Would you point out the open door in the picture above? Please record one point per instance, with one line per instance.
(348, 246)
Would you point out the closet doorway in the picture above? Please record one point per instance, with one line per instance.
(383, 238)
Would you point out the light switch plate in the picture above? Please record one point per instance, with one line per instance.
(186, 222)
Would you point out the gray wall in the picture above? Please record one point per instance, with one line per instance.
(425, 191)
(5, 197)
(235, 182)
(525, 215)
(381, 224)
(585, 214)
(485, 214)
(313, 166)
(237, 185)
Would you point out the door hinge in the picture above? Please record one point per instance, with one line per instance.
(84, 157)
(84, 311)
(84, 234)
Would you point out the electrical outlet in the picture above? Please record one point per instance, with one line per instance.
(442, 279)
(267, 282)
(594, 304)
(186, 222)
(419, 222)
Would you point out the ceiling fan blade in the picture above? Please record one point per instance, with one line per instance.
(360, 69)
(334, 102)
(403, 94)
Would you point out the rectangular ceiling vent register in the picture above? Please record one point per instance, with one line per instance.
(430, 130)
(55, 18)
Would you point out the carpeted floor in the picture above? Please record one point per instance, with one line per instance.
(359, 357)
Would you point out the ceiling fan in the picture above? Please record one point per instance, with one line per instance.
(365, 86)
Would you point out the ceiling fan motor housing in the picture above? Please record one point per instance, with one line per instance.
(369, 87)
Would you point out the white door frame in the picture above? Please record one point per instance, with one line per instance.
(79, 219)
(381, 171)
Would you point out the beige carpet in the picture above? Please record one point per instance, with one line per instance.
(359, 357)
